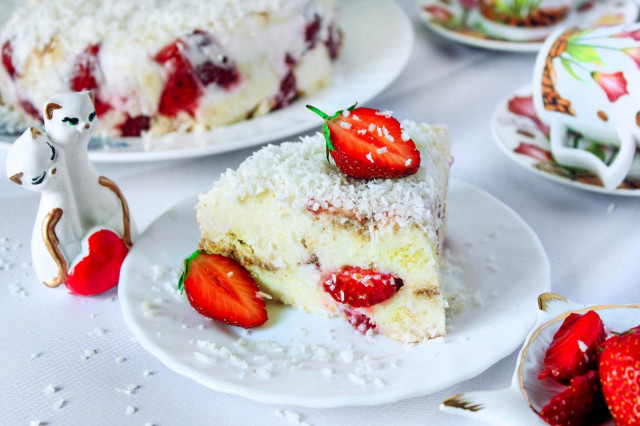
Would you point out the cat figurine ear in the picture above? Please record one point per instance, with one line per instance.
(83, 229)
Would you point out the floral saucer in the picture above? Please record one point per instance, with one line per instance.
(521, 135)
(461, 21)
(520, 402)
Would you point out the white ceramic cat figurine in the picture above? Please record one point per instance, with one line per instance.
(34, 163)
(76, 201)
(70, 119)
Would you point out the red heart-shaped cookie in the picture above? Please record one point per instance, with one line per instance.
(99, 270)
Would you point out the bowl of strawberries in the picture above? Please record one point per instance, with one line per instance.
(580, 365)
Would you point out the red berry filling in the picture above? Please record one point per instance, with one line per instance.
(288, 86)
(7, 59)
(360, 287)
(210, 64)
(182, 90)
(360, 321)
(85, 74)
(30, 109)
(134, 126)
(192, 64)
(333, 42)
(218, 74)
(311, 31)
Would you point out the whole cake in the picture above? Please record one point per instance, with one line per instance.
(367, 250)
(159, 66)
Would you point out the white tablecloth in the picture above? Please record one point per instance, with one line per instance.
(593, 251)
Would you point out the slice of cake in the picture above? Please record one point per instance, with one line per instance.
(314, 238)
(159, 66)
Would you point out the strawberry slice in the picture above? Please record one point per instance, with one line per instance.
(85, 74)
(360, 287)
(574, 348)
(368, 144)
(619, 368)
(222, 289)
(581, 403)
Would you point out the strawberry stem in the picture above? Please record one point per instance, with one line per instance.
(185, 269)
(317, 111)
(325, 127)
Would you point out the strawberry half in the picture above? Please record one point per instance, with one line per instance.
(368, 144)
(360, 287)
(580, 403)
(574, 348)
(619, 369)
(222, 289)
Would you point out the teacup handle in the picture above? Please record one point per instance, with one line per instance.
(611, 175)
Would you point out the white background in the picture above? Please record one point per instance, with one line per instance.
(593, 253)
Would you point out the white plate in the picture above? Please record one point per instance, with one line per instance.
(378, 40)
(527, 395)
(504, 269)
(513, 132)
(464, 25)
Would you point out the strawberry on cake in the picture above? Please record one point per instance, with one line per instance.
(159, 66)
(360, 239)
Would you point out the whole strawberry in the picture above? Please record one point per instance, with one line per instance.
(368, 144)
(619, 369)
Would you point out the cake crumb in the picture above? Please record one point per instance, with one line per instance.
(49, 389)
(327, 373)
(355, 379)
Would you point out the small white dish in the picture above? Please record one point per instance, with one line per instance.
(519, 403)
(524, 139)
(309, 360)
(460, 20)
(378, 40)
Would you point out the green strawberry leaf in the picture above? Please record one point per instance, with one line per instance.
(583, 53)
(325, 127)
(185, 269)
(567, 66)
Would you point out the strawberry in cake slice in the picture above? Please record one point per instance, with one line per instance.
(358, 238)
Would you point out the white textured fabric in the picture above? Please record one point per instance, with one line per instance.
(593, 254)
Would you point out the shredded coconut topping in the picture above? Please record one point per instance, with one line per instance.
(130, 19)
(300, 174)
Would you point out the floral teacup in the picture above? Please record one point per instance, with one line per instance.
(588, 81)
(521, 20)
